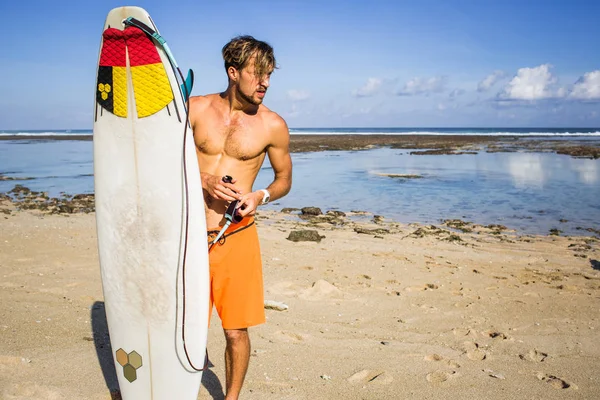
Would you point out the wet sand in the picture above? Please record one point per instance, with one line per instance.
(376, 310)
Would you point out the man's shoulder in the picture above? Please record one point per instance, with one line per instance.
(273, 121)
(203, 101)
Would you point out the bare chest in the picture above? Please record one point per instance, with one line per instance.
(239, 141)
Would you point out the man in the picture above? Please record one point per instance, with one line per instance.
(233, 131)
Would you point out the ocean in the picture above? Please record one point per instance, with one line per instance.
(528, 191)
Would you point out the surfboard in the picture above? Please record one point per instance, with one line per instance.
(150, 215)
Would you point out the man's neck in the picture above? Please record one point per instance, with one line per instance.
(237, 104)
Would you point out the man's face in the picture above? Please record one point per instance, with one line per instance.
(252, 87)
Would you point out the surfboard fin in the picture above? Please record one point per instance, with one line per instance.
(186, 86)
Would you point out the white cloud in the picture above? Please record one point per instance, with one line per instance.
(441, 107)
(298, 95)
(531, 84)
(490, 80)
(455, 93)
(293, 112)
(427, 86)
(587, 87)
(369, 89)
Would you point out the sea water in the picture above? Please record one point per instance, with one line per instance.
(530, 192)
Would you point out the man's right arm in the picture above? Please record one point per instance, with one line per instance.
(212, 184)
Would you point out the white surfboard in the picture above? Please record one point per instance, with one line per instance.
(150, 216)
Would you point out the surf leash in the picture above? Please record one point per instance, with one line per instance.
(186, 86)
(231, 215)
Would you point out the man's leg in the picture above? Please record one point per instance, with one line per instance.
(237, 356)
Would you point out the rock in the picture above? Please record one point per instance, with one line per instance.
(311, 211)
(378, 219)
(305, 236)
(336, 213)
(289, 210)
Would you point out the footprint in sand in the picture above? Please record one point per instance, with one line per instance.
(554, 381)
(437, 357)
(367, 376)
(474, 352)
(286, 336)
(440, 376)
(537, 356)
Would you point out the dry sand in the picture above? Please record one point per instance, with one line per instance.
(371, 316)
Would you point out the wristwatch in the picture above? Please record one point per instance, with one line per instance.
(266, 197)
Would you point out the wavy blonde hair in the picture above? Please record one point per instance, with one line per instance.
(241, 49)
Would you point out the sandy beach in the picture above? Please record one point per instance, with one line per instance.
(377, 310)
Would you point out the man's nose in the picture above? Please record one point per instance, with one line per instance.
(265, 81)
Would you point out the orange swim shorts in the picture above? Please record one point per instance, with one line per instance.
(236, 282)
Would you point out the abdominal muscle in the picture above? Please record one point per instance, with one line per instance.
(243, 171)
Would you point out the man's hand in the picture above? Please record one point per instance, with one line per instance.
(220, 190)
(249, 202)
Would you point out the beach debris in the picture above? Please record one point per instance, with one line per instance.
(376, 231)
(305, 236)
(555, 232)
(494, 374)
(275, 305)
(325, 377)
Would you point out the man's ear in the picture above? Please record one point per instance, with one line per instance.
(233, 74)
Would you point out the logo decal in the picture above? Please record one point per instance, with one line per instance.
(130, 362)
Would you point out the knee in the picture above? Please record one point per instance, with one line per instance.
(236, 336)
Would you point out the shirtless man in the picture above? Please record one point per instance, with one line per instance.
(233, 131)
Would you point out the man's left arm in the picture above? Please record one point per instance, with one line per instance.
(281, 161)
(279, 157)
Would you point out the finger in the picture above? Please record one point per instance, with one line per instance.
(219, 195)
(234, 189)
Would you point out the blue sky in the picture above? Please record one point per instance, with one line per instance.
(428, 63)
